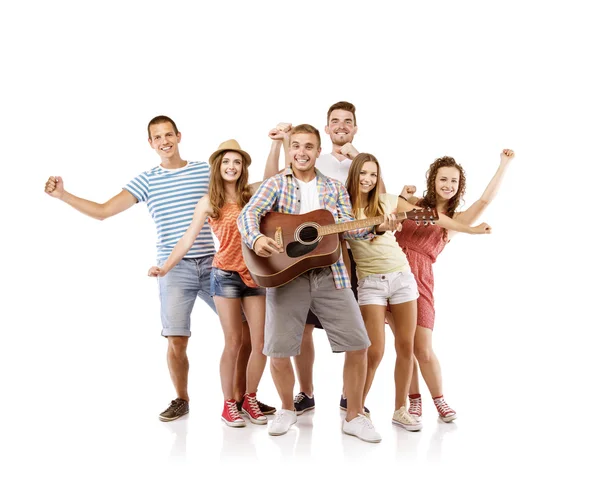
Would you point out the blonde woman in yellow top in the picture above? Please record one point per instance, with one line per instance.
(385, 278)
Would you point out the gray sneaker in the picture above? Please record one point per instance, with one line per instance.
(178, 408)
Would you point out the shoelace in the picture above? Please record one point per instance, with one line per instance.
(174, 405)
(278, 416)
(407, 417)
(442, 406)
(365, 422)
(254, 406)
(298, 398)
(233, 411)
(415, 406)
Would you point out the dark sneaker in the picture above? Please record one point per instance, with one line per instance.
(178, 408)
(303, 403)
(344, 405)
(266, 409)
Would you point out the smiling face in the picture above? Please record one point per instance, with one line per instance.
(369, 175)
(231, 166)
(164, 140)
(304, 151)
(447, 182)
(341, 127)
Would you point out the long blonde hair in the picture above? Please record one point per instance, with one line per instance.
(373, 206)
(216, 187)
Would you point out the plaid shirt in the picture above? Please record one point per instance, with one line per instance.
(279, 193)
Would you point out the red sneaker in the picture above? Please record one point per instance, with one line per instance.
(416, 406)
(446, 413)
(231, 416)
(251, 408)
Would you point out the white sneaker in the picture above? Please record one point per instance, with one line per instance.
(282, 421)
(406, 420)
(361, 427)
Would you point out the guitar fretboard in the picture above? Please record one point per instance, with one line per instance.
(352, 225)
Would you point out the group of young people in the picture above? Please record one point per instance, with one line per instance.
(384, 274)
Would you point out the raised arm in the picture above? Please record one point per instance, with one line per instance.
(476, 209)
(186, 242)
(279, 137)
(115, 205)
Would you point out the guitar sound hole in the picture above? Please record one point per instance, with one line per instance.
(308, 234)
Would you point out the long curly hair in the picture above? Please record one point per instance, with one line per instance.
(430, 197)
(373, 207)
(216, 187)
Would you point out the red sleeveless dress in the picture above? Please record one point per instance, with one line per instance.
(422, 245)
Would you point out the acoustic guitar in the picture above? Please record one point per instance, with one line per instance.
(309, 241)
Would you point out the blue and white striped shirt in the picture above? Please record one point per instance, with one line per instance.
(171, 196)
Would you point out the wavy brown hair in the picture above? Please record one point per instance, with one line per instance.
(373, 207)
(216, 188)
(430, 198)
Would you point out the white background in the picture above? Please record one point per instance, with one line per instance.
(83, 363)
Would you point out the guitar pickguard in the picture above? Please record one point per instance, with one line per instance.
(296, 249)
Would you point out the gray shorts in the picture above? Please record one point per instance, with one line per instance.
(288, 305)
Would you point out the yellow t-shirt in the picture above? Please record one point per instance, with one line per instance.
(382, 255)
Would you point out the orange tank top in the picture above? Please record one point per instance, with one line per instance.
(229, 257)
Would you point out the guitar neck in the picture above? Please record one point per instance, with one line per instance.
(352, 225)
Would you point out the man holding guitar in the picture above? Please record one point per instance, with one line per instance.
(301, 189)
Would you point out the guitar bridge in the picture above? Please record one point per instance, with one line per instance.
(279, 236)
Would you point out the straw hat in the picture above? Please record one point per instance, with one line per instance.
(229, 145)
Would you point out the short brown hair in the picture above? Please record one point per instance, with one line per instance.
(308, 129)
(342, 105)
(160, 120)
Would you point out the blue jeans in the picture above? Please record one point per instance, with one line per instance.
(229, 284)
(189, 279)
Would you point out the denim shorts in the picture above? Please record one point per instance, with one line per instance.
(394, 287)
(229, 284)
(189, 279)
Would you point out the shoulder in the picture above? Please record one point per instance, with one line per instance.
(204, 204)
(201, 166)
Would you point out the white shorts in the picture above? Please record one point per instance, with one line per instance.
(395, 288)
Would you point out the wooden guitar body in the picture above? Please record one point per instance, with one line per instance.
(303, 248)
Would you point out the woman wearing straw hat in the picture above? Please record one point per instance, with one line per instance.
(231, 283)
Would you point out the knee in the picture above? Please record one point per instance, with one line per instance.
(404, 348)
(258, 345)
(423, 354)
(374, 355)
(178, 346)
(233, 342)
(279, 364)
(356, 355)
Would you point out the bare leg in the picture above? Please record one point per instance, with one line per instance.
(179, 365)
(355, 372)
(254, 308)
(405, 321)
(229, 311)
(374, 316)
(283, 377)
(428, 362)
(305, 361)
(241, 365)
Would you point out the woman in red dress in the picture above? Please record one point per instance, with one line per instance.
(422, 245)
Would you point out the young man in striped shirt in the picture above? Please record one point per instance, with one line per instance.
(171, 191)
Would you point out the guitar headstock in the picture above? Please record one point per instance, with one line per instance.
(427, 215)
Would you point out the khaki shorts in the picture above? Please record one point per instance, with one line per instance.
(288, 305)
